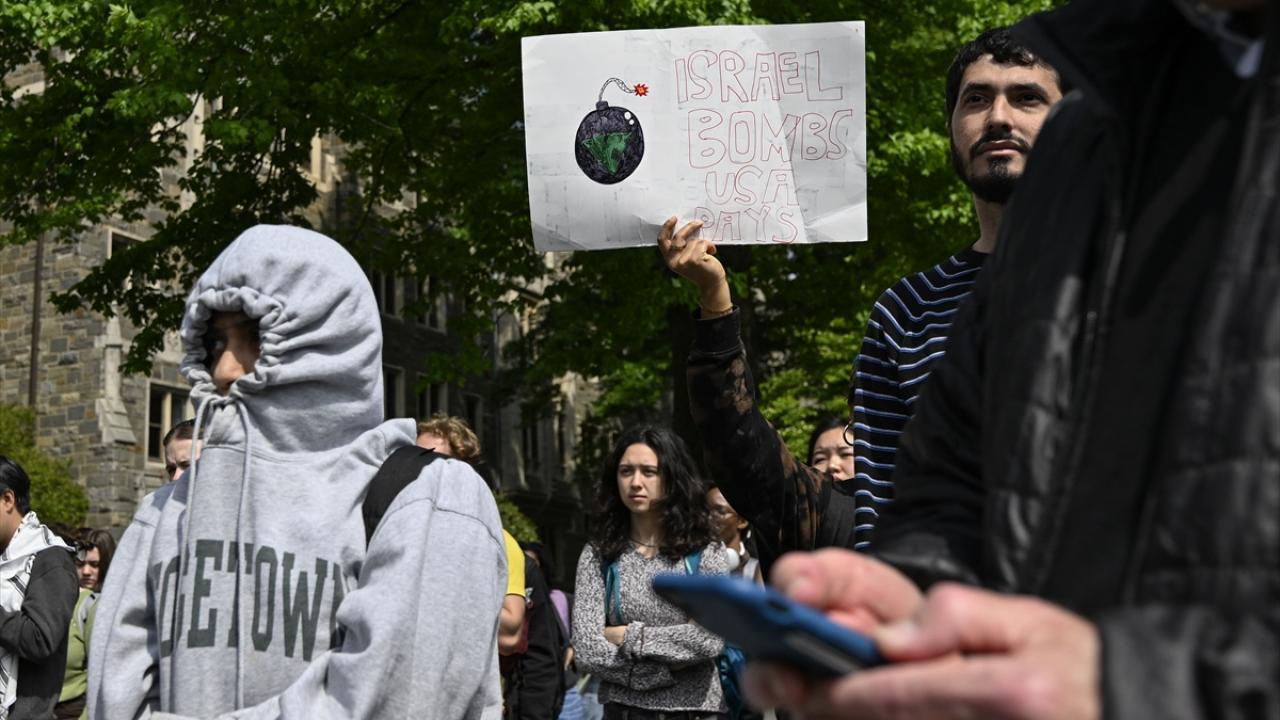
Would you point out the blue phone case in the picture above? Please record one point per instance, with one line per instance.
(767, 625)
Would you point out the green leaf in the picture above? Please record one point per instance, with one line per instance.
(420, 107)
(55, 497)
(515, 521)
(608, 148)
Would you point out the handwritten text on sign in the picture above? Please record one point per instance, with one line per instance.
(757, 131)
(747, 157)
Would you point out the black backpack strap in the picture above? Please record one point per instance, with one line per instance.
(397, 471)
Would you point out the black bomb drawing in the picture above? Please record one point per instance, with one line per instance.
(610, 142)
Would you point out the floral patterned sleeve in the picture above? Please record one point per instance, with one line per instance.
(783, 499)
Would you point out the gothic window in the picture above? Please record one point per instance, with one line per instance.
(166, 406)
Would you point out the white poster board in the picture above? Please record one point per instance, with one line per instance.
(758, 131)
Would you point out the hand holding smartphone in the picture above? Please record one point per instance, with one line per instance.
(768, 625)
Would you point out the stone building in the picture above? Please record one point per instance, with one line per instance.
(109, 426)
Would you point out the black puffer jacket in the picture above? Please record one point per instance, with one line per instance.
(990, 462)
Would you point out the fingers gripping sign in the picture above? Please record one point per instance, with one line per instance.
(695, 260)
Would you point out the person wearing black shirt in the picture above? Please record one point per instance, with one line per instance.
(38, 594)
(535, 689)
(1098, 449)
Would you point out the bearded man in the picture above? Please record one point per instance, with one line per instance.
(998, 95)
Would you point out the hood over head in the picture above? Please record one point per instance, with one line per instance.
(318, 381)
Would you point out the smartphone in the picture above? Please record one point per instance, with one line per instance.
(768, 625)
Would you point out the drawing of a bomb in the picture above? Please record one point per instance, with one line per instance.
(610, 142)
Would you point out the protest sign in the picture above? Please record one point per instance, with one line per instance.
(758, 131)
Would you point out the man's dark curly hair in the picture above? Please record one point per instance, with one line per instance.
(686, 525)
(1003, 48)
(14, 479)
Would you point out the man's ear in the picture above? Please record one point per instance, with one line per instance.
(8, 501)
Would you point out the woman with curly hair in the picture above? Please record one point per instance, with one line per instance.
(652, 517)
(450, 436)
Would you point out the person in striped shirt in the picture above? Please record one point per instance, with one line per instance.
(998, 95)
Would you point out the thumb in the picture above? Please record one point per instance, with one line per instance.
(954, 619)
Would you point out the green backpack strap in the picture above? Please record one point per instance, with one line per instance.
(612, 595)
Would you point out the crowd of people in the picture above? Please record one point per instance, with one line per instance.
(1053, 497)
(50, 579)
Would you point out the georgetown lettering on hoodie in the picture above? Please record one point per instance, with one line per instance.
(246, 584)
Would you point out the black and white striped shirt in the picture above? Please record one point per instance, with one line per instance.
(906, 334)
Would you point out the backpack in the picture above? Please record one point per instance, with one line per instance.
(536, 683)
(399, 469)
(565, 638)
(729, 663)
(83, 607)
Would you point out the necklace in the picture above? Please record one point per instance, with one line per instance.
(643, 544)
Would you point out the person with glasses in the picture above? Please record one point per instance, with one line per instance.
(735, 532)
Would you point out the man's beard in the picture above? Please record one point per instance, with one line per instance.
(997, 185)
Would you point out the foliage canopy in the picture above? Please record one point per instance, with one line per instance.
(55, 497)
(425, 98)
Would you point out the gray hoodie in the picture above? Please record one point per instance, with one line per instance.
(246, 584)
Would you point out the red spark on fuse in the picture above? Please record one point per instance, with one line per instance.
(641, 89)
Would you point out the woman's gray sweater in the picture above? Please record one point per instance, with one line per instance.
(666, 662)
